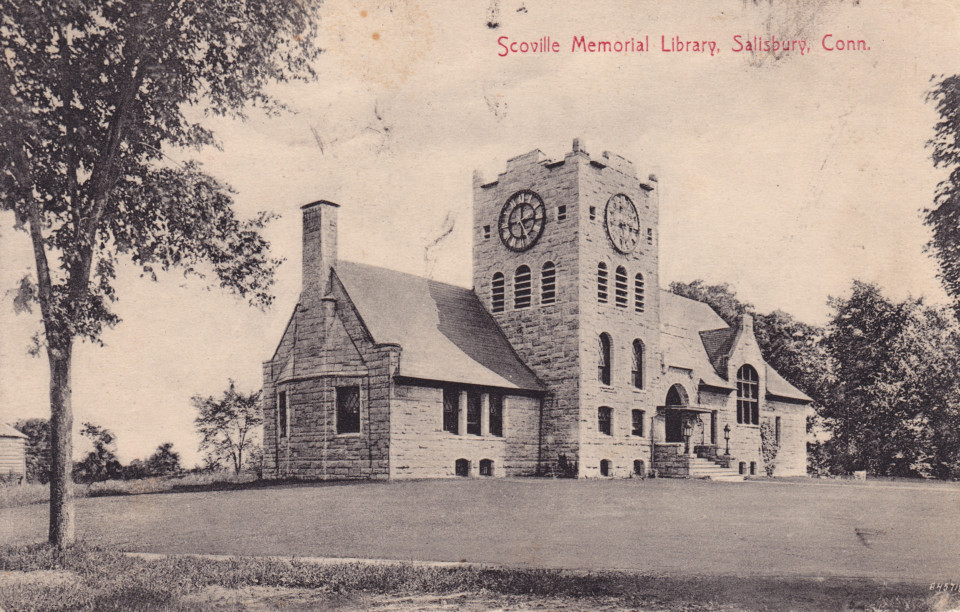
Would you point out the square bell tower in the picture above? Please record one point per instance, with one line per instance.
(565, 257)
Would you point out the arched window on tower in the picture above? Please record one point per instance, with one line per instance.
(496, 292)
(620, 285)
(521, 287)
(602, 282)
(605, 359)
(748, 395)
(638, 292)
(548, 284)
(637, 372)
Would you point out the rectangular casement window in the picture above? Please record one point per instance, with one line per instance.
(561, 213)
(593, 213)
(649, 235)
(451, 410)
(637, 417)
(778, 430)
(473, 413)
(282, 415)
(486, 232)
(496, 415)
(605, 420)
(348, 410)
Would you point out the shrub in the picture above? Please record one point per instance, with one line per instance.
(769, 447)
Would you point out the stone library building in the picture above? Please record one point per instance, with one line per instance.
(565, 359)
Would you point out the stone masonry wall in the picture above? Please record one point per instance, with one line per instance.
(420, 448)
(544, 336)
(325, 347)
(791, 459)
(601, 177)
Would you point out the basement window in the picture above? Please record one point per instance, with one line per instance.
(486, 467)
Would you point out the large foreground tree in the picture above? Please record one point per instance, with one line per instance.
(944, 216)
(93, 96)
(895, 405)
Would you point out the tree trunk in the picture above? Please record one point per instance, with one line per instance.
(62, 532)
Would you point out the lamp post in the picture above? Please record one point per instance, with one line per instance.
(687, 432)
(726, 436)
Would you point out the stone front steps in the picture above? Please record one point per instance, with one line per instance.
(704, 468)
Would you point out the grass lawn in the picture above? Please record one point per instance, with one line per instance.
(728, 538)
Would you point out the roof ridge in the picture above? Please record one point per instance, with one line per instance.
(411, 274)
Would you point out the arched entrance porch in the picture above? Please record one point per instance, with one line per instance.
(684, 439)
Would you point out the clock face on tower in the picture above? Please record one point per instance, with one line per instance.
(623, 223)
(521, 220)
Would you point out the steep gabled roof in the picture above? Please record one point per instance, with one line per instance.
(444, 331)
(718, 343)
(696, 338)
(778, 385)
(682, 320)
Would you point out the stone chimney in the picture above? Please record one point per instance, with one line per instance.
(319, 251)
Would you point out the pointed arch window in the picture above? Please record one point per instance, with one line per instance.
(548, 284)
(748, 395)
(605, 359)
(637, 371)
(602, 282)
(521, 287)
(638, 292)
(497, 292)
(620, 286)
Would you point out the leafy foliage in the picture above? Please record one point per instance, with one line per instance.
(895, 406)
(229, 426)
(37, 448)
(101, 463)
(944, 216)
(769, 446)
(164, 461)
(97, 100)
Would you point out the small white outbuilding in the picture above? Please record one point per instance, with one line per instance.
(13, 463)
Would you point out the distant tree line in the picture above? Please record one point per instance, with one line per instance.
(229, 426)
(100, 463)
(884, 376)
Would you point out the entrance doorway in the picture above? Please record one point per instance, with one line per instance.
(673, 417)
(674, 426)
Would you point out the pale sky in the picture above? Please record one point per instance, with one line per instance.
(786, 177)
